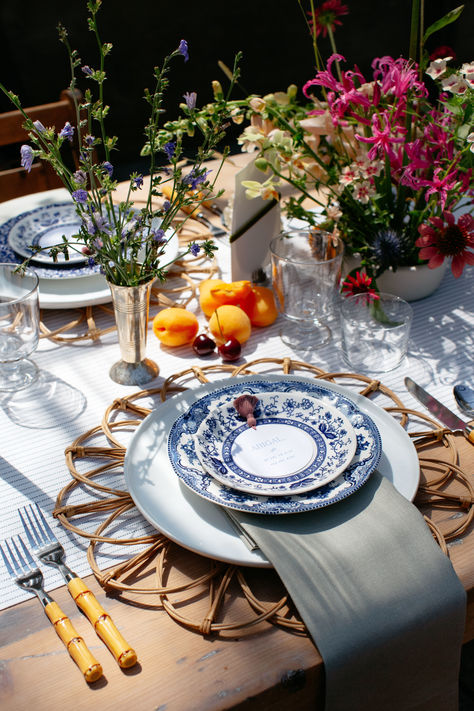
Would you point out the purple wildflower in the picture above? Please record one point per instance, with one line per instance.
(138, 181)
(87, 70)
(166, 205)
(194, 180)
(169, 149)
(183, 49)
(67, 131)
(80, 177)
(80, 196)
(89, 140)
(195, 249)
(91, 261)
(27, 156)
(39, 126)
(108, 167)
(190, 98)
(98, 244)
(158, 236)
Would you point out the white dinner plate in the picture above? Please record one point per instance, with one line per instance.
(200, 525)
(298, 444)
(65, 290)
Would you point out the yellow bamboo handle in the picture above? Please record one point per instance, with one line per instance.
(102, 623)
(75, 645)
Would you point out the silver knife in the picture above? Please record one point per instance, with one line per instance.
(440, 411)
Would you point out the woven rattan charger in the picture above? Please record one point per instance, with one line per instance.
(200, 593)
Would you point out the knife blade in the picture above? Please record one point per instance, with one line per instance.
(440, 411)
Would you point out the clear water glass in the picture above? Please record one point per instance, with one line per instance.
(375, 333)
(19, 327)
(306, 271)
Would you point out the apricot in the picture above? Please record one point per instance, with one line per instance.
(229, 320)
(215, 292)
(207, 301)
(175, 326)
(264, 311)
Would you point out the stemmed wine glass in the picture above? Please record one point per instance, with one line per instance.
(306, 270)
(19, 327)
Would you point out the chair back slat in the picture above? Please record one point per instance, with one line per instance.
(15, 182)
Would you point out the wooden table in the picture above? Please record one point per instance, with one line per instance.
(267, 668)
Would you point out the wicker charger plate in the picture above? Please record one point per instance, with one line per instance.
(199, 593)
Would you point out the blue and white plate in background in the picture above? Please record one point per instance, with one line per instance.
(45, 227)
(298, 444)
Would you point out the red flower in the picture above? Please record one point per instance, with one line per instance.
(439, 241)
(360, 284)
(442, 52)
(327, 16)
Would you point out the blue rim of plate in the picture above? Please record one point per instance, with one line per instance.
(332, 434)
(7, 254)
(186, 464)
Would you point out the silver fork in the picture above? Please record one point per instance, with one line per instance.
(49, 550)
(22, 568)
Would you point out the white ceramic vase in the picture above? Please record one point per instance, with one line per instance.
(409, 283)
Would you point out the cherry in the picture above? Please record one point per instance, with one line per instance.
(230, 350)
(203, 345)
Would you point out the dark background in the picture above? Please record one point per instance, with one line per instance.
(272, 35)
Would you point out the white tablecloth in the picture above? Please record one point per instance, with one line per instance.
(32, 462)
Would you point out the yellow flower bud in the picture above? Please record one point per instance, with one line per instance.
(217, 90)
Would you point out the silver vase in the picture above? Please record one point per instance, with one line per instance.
(131, 316)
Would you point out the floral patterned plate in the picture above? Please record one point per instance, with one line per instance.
(187, 465)
(299, 444)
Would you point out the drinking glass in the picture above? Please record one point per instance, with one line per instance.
(306, 270)
(19, 327)
(375, 332)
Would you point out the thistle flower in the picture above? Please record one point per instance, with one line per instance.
(388, 249)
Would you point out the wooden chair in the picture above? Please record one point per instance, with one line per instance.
(15, 182)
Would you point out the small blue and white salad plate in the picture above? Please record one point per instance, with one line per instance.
(298, 444)
(187, 465)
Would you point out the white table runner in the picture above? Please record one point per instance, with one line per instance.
(32, 463)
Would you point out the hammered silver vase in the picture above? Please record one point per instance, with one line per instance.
(131, 316)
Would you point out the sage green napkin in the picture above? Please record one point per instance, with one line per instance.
(380, 599)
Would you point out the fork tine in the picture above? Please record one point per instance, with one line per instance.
(29, 529)
(27, 553)
(47, 528)
(7, 562)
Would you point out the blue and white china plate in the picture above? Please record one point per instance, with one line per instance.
(60, 288)
(55, 214)
(298, 444)
(201, 526)
(44, 227)
(186, 463)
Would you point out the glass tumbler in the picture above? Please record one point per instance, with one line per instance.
(306, 270)
(19, 327)
(375, 333)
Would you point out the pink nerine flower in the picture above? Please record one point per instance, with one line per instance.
(439, 241)
(382, 137)
(327, 16)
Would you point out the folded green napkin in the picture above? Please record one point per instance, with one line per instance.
(378, 596)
